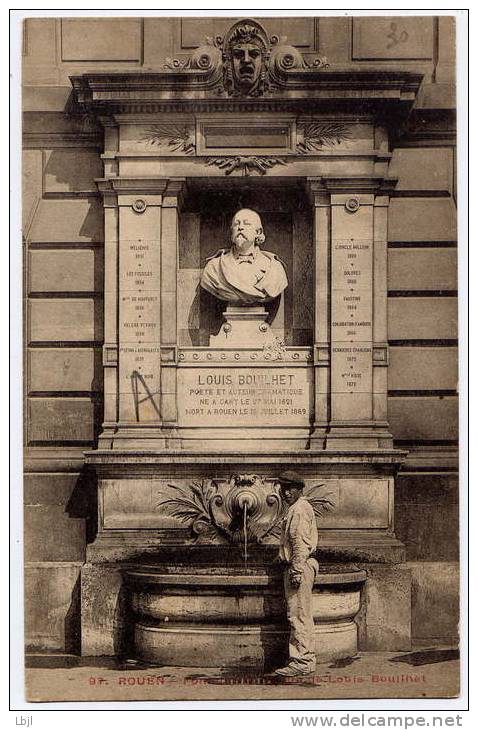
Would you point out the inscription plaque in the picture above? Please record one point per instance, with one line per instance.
(139, 345)
(228, 396)
(351, 326)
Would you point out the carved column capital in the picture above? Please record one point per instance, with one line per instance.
(371, 184)
(174, 192)
(318, 194)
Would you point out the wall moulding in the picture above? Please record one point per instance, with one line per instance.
(123, 93)
(63, 140)
(135, 463)
(356, 184)
(244, 356)
(269, 135)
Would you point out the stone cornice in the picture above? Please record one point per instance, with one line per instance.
(428, 127)
(54, 140)
(138, 459)
(171, 189)
(152, 185)
(55, 459)
(350, 183)
(196, 90)
(359, 183)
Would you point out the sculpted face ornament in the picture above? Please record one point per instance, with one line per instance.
(246, 50)
(246, 65)
(246, 61)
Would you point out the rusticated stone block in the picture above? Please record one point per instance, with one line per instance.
(64, 369)
(423, 368)
(384, 621)
(32, 183)
(56, 419)
(109, 39)
(427, 516)
(44, 489)
(422, 219)
(105, 628)
(421, 269)
(50, 534)
(422, 169)
(422, 318)
(68, 221)
(435, 601)
(66, 271)
(392, 38)
(70, 320)
(426, 418)
(40, 41)
(52, 607)
(71, 171)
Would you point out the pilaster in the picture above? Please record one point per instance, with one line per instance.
(141, 238)
(172, 200)
(320, 200)
(350, 343)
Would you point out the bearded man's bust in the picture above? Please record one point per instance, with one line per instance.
(245, 274)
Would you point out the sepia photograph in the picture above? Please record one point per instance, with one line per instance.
(240, 301)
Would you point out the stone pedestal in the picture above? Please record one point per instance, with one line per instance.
(244, 326)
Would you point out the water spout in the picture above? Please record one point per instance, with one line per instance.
(245, 534)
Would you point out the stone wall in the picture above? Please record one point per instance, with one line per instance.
(63, 244)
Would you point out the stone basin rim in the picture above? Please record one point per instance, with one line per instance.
(230, 580)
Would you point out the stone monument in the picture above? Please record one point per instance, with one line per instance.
(245, 116)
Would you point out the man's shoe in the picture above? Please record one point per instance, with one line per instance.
(291, 671)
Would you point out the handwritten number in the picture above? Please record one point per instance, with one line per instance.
(394, 38)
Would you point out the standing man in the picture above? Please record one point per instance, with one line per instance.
(297, 544)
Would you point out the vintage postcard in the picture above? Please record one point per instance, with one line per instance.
(241, 357)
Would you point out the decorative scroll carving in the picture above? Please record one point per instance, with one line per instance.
(179, 138)
(246, 62)
(317, 135)
(284, 58)
(247, 164)
(217, 510)
(249, 355)
(205, 58)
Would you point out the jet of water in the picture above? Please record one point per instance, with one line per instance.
(245, 532)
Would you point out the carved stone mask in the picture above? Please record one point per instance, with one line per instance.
(247, 60)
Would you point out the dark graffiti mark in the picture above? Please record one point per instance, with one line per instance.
(396, 38)
(138, 384)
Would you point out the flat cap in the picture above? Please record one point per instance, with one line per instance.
(291, 479)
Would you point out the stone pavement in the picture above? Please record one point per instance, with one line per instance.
(422, 673)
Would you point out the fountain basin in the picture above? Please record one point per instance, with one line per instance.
(235, 619)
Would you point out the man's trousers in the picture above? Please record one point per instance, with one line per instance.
(299, 616)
